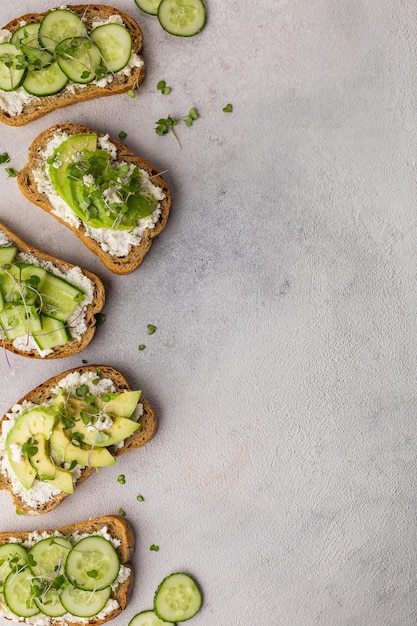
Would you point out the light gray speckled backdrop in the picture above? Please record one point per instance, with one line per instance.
(284, 291)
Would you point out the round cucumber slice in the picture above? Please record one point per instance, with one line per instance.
(147, 618)
(12, 70)
(12, 556)
(79, 59)
(26, 38)
(183, 18)
(18, 593)
(48, 556)
(148, 6)
(177, 598)
(58, 25)
(50, 604)
(115, 45)
(84, 603)
(45, 82)
(93, 564)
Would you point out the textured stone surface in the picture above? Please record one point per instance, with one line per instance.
(284, 295)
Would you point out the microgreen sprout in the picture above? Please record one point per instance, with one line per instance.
(163, 87)
(4, 158)
(131, 93)
(151, 329)
(154, 548)
(121, 479)
(228, 108)
(12, 173)
(100, 318)
(141, 346)
(140, 498)
(166, 125)
(122, 134)
(121, 512)
(18, 512)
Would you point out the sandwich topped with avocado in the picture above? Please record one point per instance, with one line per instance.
(113, 200)
(61, 432)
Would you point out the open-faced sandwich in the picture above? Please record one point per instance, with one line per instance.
(47, 306)
(73, 575)
(113, 200)
(66, 55)
(67, 428)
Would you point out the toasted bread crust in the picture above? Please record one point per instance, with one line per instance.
(118, 528)
(95, 307)
(43, 393)
(28, 186)
(120, 84)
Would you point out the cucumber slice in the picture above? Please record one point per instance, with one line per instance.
(46, 81)
(147, 618)
(7, 255)
(26, 38)
(177, 598)
(148, 6)
(12, 557)
(58, 25)
(18, 320)
(79, 59)
(115, 45)
(50, 604)
(183, 18)
(54, 333)
(47, 557)
(59, 297)
(84, 603)
(12, 70)
(93, 564)
(18, 593)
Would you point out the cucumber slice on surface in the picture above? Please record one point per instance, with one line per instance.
(26, 37)
(93, 564)
(79, 59)
(115, 45)
(12, 70)
(48, 556)
(12, 556)
(18, 593)
(147, 618)
(46, 81)
(54, 333)
(58, 25)
(148, 6)
(183, 18)
(177, 598)
(84, 603)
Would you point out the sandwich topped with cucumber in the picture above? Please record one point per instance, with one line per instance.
(61, 432)
(66, 55)
(113, 200)
(77, 574)
(48, 307)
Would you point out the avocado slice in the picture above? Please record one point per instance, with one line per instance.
(36, 421)
(87, 457)
(41, 460)
(62, 480)
(64, 155)
(121, 429)
(121, 404)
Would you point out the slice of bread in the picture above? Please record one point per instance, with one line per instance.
(92, 309)
(121, 83)
(118, 528)
(44, 393)
(28, 186)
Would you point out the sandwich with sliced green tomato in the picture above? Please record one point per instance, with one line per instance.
(61, 432)
(66, 55)
(113, 200)
(48, 307)
(76, 574)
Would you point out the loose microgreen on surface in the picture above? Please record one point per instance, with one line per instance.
(228, 108)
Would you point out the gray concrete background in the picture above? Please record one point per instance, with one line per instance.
(284, 293)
